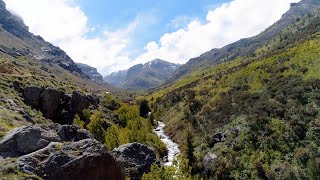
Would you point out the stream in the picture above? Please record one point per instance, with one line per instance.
(172, 147)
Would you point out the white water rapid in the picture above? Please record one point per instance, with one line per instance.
(172, 147)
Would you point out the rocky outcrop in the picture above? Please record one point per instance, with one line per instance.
(50, 102)
(27, 139)
(32, 96)
(58, 106)
(85, 159)
(136, 159)
(60, 152)
(91, 72)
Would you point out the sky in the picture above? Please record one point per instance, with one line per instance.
(114, 35)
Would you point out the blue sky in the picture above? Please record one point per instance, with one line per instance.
(159, 17)
(115, 35)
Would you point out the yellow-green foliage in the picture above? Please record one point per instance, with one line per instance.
(136, 129)
(273, 98)
(78, 122)
(95, 127)
(178, 171)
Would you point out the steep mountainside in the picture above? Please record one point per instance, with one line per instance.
(143, 76)
(247, 47)
(91, 72)
(257, 116)
(17, 41)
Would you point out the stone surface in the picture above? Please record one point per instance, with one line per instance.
(32, 96)
(85, 159)
(27, 139)
(136, 159)
(50, 101)
(58, 106)
(208, 162)
(72, 133)
(78, 102)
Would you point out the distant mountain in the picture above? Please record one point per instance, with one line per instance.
(143, 76)
(247, 47)
(116, 78)
(91, 72)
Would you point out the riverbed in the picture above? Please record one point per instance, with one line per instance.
(172, 147)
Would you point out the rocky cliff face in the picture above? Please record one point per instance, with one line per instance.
(143, 76)
(57, 105)
(91, 72)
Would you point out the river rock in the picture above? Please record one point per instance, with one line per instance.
(85, 160)
(136, 159)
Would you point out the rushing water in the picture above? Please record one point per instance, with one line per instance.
(172, 147)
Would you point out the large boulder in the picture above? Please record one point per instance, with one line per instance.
(32, 96)
(136, 159)
(50, 102)
(72, 133)
(27, 139)
(85, 160)
(78, 102)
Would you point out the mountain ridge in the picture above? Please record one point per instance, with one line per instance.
(143, 76)
(247, 46)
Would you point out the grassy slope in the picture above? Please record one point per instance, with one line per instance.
(272, 98)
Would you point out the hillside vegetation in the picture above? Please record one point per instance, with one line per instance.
(258, 114)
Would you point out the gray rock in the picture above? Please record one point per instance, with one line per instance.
(209, 162)
(27, 139)
(32, 96)
(136, 159)
(50, 101)
(85, 159)
(79, 102)
(73, 133)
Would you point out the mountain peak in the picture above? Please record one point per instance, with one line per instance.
(143, 76)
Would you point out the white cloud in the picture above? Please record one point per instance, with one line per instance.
(64, 24)
(225, 24)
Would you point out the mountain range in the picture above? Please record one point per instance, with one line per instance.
(143, 76)
(249, 110)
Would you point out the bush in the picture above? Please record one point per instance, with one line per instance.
(95, 127)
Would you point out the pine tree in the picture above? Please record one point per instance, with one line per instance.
(144, 108)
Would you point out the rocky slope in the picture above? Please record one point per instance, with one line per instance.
(91, 72)
(143, 76)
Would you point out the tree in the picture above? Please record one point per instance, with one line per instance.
(95, 127)
(187, 147)
(112, 137)
(144, 108)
